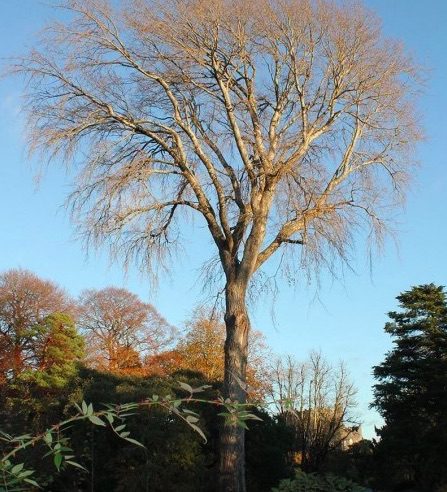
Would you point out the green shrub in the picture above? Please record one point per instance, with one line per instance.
(311, 482)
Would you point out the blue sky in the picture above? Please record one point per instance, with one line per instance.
(345, 319)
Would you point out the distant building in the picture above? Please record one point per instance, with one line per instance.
(350, 436)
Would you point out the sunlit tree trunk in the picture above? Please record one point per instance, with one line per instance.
(232, 448)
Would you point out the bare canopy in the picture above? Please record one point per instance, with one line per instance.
(283, 125)
(280, 124)
(315, 400)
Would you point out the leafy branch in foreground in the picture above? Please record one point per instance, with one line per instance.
(15, 477)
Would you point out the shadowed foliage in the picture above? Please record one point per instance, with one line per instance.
(410, 393)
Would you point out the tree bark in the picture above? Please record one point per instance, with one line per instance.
(232, 437)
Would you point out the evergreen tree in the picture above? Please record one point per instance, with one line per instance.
(25, 301)
(411, 391)
(60, 350)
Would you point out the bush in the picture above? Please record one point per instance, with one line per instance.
(311, 482)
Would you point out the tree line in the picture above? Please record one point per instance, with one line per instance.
(111, 330)
(110, 347)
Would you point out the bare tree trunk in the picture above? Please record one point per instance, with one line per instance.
(232, 437)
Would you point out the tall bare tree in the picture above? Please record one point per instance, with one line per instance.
(286, 126)
(316, 400)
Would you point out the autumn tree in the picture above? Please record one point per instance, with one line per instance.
(165, 363)
(316, 400)
(284, 126)
(202, 350)
(120, 329)
(25, 302)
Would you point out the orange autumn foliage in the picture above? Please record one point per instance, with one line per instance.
(25, 301)
(202, 350)
(121, 330)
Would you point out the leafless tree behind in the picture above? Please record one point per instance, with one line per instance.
(316, 400)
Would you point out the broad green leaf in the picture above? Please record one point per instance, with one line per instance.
(57, 461)
(84, 408)
(77, 465)
(96, 420)
(190, 412)
(202, 388)
(22, 437)
(199, 431)
(32, 482)
(186, 387)
(26, 473)
(134, 441)
(17, 468)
